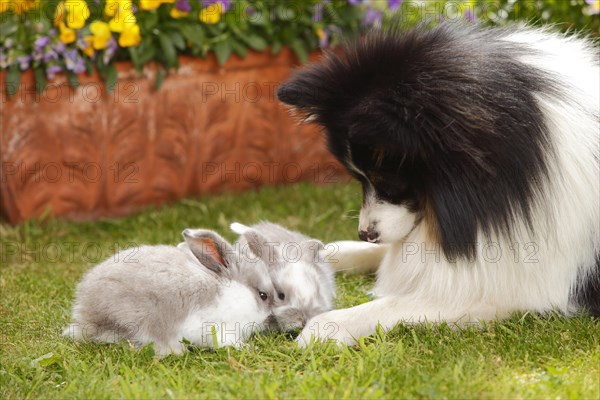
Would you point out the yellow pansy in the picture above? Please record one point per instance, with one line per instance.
(150, 4)
(321, 33)
(67, 35)
(4, 5)
(113, 6)
(211, 14)
(110, 8)
(175, 13)
(121, 20)
(101, 34)
(89, 50)
(77, 13)
(21, 6)
(130, 36)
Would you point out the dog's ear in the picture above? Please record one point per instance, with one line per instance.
(312, 90)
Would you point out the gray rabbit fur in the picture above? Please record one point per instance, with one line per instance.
(304, 281)
(162, 294)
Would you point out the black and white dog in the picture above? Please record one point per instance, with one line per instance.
(478, 153)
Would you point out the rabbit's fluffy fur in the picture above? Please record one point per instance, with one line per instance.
(162, 294)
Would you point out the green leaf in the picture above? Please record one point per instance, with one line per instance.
(276, 48)
(159, 79)
(168, 49)
(255, 42)
(149, 21)
(285, 13)
(40, 79)
(147, 53)
(177, 40)
(300, 50)
(73, 79)
(135, 59)
(259, 18)
(110, 80)
(13, 78)
(8, 28)
(89, 66)
(194, 34)
(222, 51)
(239, 48)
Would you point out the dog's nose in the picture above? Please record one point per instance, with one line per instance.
(373, 236)
(363, 235)
(369, 235)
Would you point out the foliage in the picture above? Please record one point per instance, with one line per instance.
(76, 36)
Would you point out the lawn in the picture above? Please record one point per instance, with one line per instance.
(41, 261)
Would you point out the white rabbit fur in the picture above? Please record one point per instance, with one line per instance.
(304, 281)
(162, 294)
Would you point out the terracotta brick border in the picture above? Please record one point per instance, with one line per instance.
(83, 153)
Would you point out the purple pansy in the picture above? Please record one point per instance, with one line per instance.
(594, 6)
(470, 15)
(41, 42)
(318, 12)
(74, 62)
(226, 4)
(324, 38)
(183, 5)
(23, 62)
(52, 70)
(50, 55)
(394, 5)
(109, 51)
(38, 55)
(60, 47)
(372, 17)
(3, 59)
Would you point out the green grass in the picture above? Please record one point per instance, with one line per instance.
(41, 262)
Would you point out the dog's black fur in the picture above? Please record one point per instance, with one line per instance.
(448, 118)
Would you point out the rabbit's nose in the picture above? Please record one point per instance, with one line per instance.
(271, 321)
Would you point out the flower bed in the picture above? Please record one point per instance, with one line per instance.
(86, 133)
(76, 36)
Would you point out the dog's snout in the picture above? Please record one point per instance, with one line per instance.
(362, 235)
(369, 235)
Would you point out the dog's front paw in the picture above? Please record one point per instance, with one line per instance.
(329, 326)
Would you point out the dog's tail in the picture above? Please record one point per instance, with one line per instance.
(354, 257)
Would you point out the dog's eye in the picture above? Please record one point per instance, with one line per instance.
(281, 296)
(263, 295)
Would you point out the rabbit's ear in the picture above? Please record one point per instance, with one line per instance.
(261, 247)
(238, 228)
(214, 252)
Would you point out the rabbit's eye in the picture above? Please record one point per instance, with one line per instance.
(263, 295)
(281, 296)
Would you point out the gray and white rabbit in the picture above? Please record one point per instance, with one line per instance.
(302, 277)
(162, 294)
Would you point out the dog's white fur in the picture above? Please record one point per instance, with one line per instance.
(416, 283)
